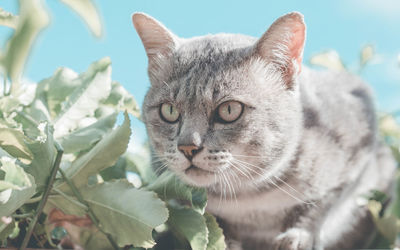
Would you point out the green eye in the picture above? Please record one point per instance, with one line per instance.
(169, 113)
(229, 111)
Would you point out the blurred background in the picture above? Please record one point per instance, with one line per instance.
(341, 27)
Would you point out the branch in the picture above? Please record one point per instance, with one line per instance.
(46, 194)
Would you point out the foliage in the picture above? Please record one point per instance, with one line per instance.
(63, 159)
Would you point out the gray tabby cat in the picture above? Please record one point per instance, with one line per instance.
(284, 151)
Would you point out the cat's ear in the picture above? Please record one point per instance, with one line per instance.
(283, 45)
(157, 40)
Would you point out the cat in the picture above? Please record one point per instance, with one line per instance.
(284, 151)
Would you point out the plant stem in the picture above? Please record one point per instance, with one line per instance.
(5, 85)
(22, 216)
(46, 194)
(91, 214)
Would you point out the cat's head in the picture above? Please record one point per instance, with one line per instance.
(223, 110)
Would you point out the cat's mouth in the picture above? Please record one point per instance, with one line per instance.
(196, 170)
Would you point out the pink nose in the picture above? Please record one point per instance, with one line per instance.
(189, 150)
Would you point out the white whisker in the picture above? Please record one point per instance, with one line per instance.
(273, 183)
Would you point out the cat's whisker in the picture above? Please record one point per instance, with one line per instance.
(250, 156)
(235, 177)
(287, 184)
(228, 185)
(274, 184)
(292, 188)
(238, 169)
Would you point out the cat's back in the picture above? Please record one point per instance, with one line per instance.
(340, 105)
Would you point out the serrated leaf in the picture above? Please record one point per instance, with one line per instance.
(168, 186)
(216, 238)
(88, 12)
(329, 59)
(33, 18)
(122, 100)
(84, 100)
(8, 19)
(85, 138)
(191, 225)
(104, 154)
(127, 213)
(13, 141)
(44, 153)
(24, 186)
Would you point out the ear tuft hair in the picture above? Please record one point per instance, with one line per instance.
(283, 44)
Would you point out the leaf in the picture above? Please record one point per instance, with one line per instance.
(33, 18)
(216, 238)
(8, 19)
(23, 190)
(191, 225)
(84, 100)
(55, 90)
(104, 154)
(328, 59)
(388, 225)
(366, 54)
(127, 213)
(88, 12)
(138, 161)
(44, 153)
(66, 203)
(85, 138)
(122, 100)
(13, 141)
(6, 230)
(168, 186)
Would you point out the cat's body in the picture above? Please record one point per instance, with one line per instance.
(284, 152)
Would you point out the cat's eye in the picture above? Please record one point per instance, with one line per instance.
(229, 111)
(169, 113)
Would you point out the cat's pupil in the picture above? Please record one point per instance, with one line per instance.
(170, 110)
(229, 109)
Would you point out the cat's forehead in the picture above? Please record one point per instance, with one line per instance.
(210, 54)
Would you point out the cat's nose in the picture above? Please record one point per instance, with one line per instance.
(189, 150)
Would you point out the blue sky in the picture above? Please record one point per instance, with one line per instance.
(342, 25)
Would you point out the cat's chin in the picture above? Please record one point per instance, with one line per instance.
(198, 177)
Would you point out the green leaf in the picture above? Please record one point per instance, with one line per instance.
(23, 187)
(33, 18)
(168, 186)
(66, 203)
(104, 154)
(88, 12)
(44, 152)
(127, 213)
(329, 59)
(95, 85)
(139, 161)
(6, 230)
(8, 19)
(191, 225)
(85, 138)
(388, 225)
(216, 239)
(122, 100)
(13, 141)
(55, 90)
